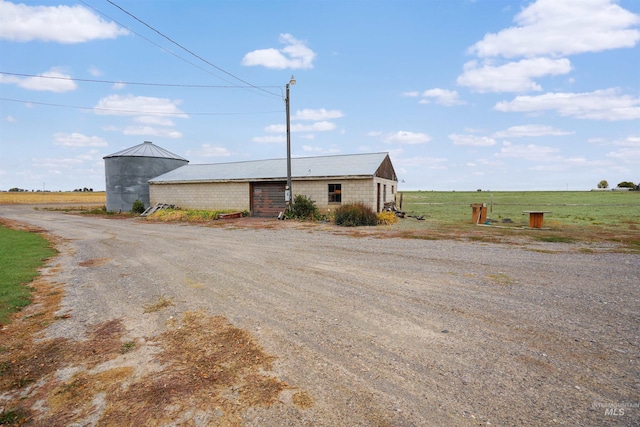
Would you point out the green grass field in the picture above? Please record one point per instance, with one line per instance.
(587, 216)
(611, 209)
(21, 254)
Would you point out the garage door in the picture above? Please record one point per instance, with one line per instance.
(267, 199)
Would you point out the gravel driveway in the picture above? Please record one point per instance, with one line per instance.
(378, 331)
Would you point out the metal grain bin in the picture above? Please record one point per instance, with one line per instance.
(127, 173)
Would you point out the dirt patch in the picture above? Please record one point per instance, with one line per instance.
(96, 262)
(15, 225)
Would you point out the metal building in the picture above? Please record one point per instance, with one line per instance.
(127, 173)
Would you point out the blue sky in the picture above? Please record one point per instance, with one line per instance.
(489, 94)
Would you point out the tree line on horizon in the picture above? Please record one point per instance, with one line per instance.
(624, 184)
(21, 190)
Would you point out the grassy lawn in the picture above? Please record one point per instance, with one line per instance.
(21, 254)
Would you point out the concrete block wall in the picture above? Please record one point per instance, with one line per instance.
(207, 196)
(391, 188)
(353, 191)
(236, 195)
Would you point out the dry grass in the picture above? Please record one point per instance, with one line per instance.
(501, 279)
(162, 302)
(205, 365)
(40, 197)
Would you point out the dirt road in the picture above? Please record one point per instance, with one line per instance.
(378, 331)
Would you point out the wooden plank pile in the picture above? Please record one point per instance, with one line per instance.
(157, 207)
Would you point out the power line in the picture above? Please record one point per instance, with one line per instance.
(173, 53)
(159, 113)
(130, 83)
(186, 49)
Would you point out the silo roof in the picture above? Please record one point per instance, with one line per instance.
(363, 165)
(146, 149)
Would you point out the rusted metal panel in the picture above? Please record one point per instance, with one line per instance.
(267, 199)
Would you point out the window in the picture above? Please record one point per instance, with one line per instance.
(335, 193)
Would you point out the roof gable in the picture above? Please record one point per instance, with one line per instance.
(361, 165)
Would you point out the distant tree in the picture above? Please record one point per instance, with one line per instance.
(603, 184)
(626, 184)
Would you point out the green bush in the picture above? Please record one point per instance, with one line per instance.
(138, 207)
(355, 214)
(303, 208)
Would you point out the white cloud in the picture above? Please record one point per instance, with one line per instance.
(472, 140)
(441, 96)
(62, 24)
(598, 140)
(78, 140)
(530, 130)
(299, 128)
(295, 55)
(130, 105)
(52, 81)
(319, 150)
(630, 141)
(607, 104)
(511, 77)
(154, 120)
(406, 137)
(55, 164)
(152, 113)
(531, 152)
(10, 119)
(208, 150)
(553, 27)
(490, 162)
(276, 128)
(323, 126)
(153, 131)
(95, 71)
(566, 164)
(319, 114)
(629, 150)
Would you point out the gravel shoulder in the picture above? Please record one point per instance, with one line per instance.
(378, 331)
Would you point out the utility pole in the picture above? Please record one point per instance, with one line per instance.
(288, 194)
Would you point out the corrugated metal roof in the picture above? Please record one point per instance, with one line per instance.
(146, 149)
(301, 167)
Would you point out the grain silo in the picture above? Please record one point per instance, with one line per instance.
(127, 173)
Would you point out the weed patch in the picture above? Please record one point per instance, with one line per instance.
(556, 239)
(162, 303)
(502, 279)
